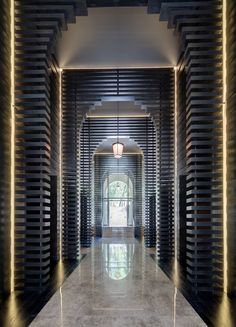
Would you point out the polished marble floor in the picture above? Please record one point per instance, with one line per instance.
(117, 284)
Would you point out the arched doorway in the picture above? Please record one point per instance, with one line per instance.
(117, 202)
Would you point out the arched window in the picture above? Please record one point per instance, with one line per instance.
(118, 201)
(118, 189)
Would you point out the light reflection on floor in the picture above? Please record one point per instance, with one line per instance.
(117, 284)
(118, 259)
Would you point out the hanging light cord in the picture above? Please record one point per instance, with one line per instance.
(118, 127)
(118, 105)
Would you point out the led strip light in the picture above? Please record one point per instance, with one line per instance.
(176, 198)
(224, 114)
(12, 214)
(121, 116)
(60, 164)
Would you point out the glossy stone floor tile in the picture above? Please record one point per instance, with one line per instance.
(117, 284)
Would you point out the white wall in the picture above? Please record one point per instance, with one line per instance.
(118, 38)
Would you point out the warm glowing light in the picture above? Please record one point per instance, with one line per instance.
(224, 114)
(60, 164)
(223, 313)
(118, 149)
(12, 228)
(175, 300)
(64, 67)
(176, 184)
(61, 306)
(121, 116)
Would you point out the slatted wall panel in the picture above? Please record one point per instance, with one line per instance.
(181, 160)
(99, 177)
(138, 197)
(105, 165)
(38, 24)
(140, 85)
(153, 90)
(54, 161)
(95, 131)
(5, 159)
(199, 25)
(150, 187)
(72, 201)
(71, 120)
(231, 123)
(163, 116)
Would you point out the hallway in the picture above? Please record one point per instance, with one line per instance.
(117, 284)
(118, 163)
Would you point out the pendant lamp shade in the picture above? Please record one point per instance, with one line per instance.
(118, 149)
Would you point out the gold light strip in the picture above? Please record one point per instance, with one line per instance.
(176, 191)
(60, 164)
(12, 214)
(121, 116)
(175, 305)
(61, 306)
(112, 67)
(224, 114)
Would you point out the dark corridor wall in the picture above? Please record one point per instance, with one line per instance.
(5, 146)
(200, 31)
(231, 149)
(36, 117)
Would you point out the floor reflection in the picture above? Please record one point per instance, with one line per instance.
(19, 309)
(117, 271)
(116, 284)
(118, 259)
(217, 310)
(225, 313)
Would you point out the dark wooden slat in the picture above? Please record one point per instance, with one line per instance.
(5, 147)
